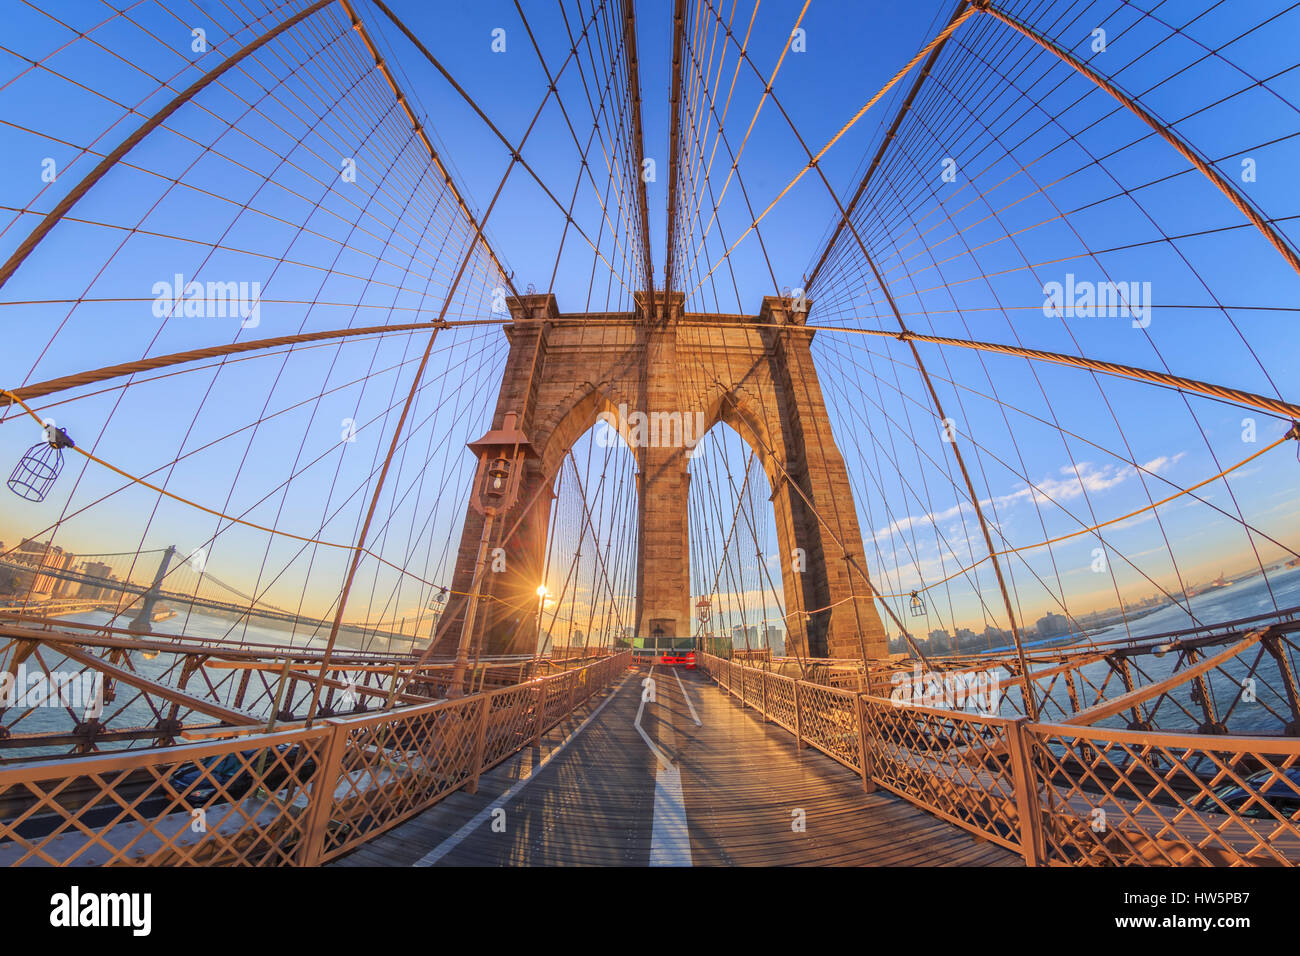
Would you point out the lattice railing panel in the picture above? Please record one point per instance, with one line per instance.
(754, 689)
(512, 722)
(780, 700)
(729, 674)
(1127, 799)
(557, 698)
(234, 802)
(830, 722)
(393, 765)
(956, 765)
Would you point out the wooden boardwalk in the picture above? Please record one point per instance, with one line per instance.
(726, 791)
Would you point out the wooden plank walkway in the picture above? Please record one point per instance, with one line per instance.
(595, 793)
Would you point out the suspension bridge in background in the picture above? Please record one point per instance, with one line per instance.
(73, 583)
(868, 512)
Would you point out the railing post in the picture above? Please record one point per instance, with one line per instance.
(270, 721)
(763, 677)
(321, 805)
(1273, 644)
(1201, 688)
(1022, 778)
(742, 687)
(864, 752)
(798, 716)
(1120, 665)
(483, 709)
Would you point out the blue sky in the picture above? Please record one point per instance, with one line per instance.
(943, 247)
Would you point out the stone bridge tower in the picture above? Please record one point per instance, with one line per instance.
(753, 372)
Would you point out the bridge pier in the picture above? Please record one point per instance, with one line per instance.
(143, 621)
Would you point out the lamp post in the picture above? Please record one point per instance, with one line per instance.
(501, 453)
(541, 603)
(703, 611)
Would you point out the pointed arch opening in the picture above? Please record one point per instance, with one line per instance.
(737, 562)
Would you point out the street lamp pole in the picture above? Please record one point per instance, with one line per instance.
(457, 685)
(501, 453)
(541, 604)
(703, 610)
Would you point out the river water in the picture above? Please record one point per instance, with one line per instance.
(128, 710)
(1240, 599)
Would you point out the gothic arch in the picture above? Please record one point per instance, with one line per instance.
(759, 379)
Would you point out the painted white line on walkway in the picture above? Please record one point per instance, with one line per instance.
(449, 844)
(694, 715)
(670, 837)
(670, 840)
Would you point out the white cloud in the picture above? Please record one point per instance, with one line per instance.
(1070, 483)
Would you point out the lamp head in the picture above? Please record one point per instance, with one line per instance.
(501, 453)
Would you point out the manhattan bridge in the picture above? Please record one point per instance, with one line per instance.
(699, 432)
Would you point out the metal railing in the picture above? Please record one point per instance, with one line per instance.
(158, 690)
(1058, 794)
(1193, 677)
(298, 797)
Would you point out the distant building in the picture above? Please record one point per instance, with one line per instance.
(1053, 625)
(745, 637)
(964, 639)
(995, 636)
(42, 556)
(94, 569)
(775, 639)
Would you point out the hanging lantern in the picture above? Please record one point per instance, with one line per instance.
(917, 605)
(39, 468)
